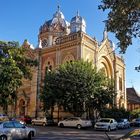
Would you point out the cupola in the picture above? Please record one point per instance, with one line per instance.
(77, 24)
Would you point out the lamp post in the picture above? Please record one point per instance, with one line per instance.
(38, 84)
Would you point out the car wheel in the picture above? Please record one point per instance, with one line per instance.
(3, 137)
(30, 135)
(61, 125)
(79, 126)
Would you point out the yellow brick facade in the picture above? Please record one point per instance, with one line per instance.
(56, 46)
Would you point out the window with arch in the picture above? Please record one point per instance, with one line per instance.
(22, 107)
(68, 58)
(120, 83)
(49, 64)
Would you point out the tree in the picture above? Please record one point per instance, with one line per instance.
(123, 20)
(135, 113)
(76, 80)
(105, 94)
(48, 96)
(115, 113)
(77, 87)
(14, 65)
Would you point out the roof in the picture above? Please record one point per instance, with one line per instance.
(132, 96)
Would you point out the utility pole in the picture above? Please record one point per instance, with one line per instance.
(38, 85)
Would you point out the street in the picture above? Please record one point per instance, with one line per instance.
(56, 133)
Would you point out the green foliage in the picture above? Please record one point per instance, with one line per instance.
(123, 20)
(105, 93)
(48, 94)
(77, 87)
(115, 113)
(76, 80)
(14, 65)
(135, 113)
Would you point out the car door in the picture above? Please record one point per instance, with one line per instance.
(74, 122)
(68, 122)
(8, 128)
(20, 130)
(113, 124)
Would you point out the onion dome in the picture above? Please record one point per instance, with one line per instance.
(56, 24)
(77, 24)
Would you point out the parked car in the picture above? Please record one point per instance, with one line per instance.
(4, 117)
(75, 122)
(106, 124)
(135, 122)
(132, 135)
(123, 123)
(16, 130)
(26, 119)
(39, 121)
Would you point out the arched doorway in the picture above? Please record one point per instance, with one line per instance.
(22, 107)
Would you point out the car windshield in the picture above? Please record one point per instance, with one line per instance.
(120, 120)
(104, 120)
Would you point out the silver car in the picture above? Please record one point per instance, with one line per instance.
(123, 123)
(106, 124)
(39, 121)
(16, 130)
(75, 122)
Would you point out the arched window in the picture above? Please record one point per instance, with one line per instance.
(22, 107)
(68, 58)
(120, 83)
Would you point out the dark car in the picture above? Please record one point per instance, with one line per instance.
(26, 119)
(135, 122)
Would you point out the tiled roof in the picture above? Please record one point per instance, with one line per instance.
(132, 96)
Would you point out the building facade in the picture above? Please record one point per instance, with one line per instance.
(61, 41)
(133, 99)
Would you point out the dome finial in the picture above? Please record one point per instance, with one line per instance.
(78, 13)
(105, 36)
(58, 8)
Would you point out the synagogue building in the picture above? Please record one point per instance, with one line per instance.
(61, 41)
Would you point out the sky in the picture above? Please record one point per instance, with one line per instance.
(21, 19)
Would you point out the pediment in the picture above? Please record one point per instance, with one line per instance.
(106, 49)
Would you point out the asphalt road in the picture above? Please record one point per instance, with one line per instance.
(56, 133)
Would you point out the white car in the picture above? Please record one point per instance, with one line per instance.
(106, 124)
(16, 131)
(39, 121)
(75, 122)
